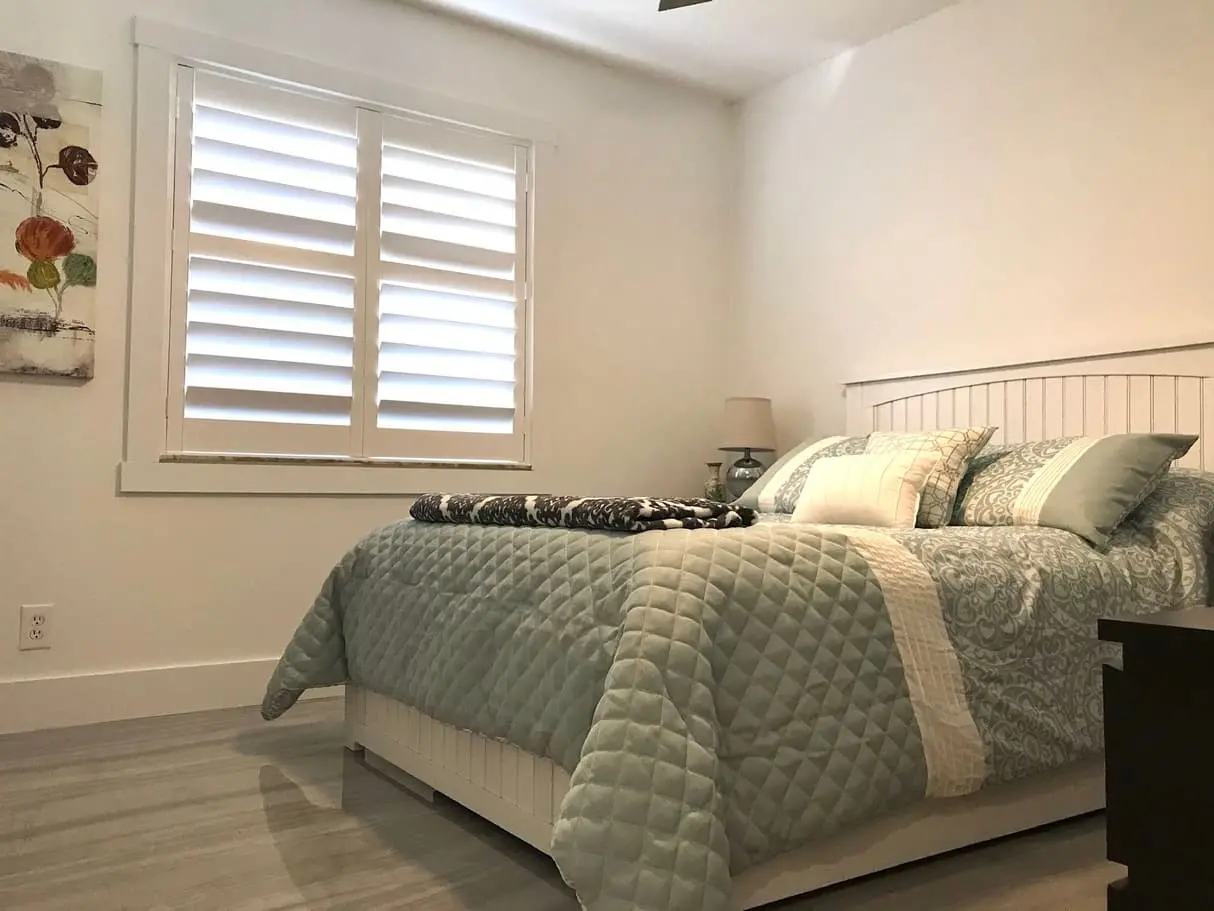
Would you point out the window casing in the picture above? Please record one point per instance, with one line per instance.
(347, 282)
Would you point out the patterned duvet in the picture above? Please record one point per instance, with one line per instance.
(720, 697)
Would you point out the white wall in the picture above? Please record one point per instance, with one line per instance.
(634, 269)
(1005, 180)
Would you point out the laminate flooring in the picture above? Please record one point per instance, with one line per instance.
(220, 811)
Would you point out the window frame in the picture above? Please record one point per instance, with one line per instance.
(149, 465)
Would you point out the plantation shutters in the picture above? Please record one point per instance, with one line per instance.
(449, 349)
(353, 283)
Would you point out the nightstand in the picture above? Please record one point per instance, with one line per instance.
(1159, 756)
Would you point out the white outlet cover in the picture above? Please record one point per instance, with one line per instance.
(35, 627)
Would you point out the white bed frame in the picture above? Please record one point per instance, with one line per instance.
(1165, 390)
(521, 793)
(1162, 389)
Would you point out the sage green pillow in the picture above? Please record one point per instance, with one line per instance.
(779, 489)
(1085, 485)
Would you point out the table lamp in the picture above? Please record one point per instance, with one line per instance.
(749, 427)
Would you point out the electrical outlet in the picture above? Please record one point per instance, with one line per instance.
(35, 626)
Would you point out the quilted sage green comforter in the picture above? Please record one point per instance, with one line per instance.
(720, 697)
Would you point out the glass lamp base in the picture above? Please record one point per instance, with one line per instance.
(741, 475)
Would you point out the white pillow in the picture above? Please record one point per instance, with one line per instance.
(876, 490)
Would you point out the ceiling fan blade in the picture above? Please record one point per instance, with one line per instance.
(677, 4)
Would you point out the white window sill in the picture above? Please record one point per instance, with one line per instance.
(305, 478)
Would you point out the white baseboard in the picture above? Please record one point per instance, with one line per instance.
(58, 702)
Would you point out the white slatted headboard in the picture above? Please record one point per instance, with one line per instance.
(1167, 390)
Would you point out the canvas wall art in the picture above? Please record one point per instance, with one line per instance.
(48, 216)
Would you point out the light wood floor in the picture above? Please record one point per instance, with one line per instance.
(222, 812)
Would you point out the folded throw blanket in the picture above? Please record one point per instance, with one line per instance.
(605, 513)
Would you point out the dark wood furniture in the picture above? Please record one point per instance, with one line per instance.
(1159, 753)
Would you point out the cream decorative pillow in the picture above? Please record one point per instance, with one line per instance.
(876, 490)
(956, 449)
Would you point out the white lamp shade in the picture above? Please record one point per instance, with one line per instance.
(749, 425)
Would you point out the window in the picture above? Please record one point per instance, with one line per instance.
(347, 282)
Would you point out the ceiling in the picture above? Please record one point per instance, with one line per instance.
(733, 47)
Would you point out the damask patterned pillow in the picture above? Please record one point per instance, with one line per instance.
(1085, 485)
(956, 449)
(1184, 498)
(780, 487)
(1180, 513)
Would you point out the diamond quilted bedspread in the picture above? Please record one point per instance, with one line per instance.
(720, 697)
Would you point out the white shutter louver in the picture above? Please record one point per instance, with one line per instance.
(347, 283)
(452, 284)
(269, 338)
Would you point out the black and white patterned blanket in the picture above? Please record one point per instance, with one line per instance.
(633, 514)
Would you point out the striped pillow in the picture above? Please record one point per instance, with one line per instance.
(956, 449)
(1086, 485)
(780, 486)
(876, 490)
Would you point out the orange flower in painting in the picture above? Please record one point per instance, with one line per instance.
(41, 238)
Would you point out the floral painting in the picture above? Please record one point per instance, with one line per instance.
(48, 210)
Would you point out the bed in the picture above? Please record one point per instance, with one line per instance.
(588, 720)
